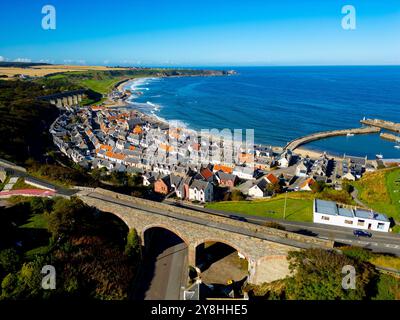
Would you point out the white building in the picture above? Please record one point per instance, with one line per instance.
(259, 190)
(301, 170)
(202, 191)
(246, 173)
(329, 212)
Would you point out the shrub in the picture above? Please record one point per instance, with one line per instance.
(274, 225)
(357, 253)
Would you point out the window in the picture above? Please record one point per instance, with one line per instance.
(381, 226)
(360, 222)
(348, 221)
(325, 218)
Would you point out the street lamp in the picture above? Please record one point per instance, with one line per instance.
(284, 208)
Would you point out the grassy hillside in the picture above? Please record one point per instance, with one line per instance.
(103, 81)
(298, 204)
(380, 191)
(298, 207)
(24, 121)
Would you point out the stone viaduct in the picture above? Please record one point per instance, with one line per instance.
(264, 248)
(65, 99)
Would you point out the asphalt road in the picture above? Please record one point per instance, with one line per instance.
(163, 270)
(379, 242)
(242, 229)
(19, 173)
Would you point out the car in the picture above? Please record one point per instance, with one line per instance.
(362, 233)
(232, 216)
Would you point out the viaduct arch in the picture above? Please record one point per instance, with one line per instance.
(264, 248)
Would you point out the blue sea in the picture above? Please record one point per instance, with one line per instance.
(282, 103)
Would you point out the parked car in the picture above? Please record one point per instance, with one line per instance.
(362, 233)
(232, 216)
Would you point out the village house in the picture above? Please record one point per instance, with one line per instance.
(264, 151)
(149, 178)
(163, 185)
(331, 213)
(176, 184)
(271, 178)
(307, 184)
(201, 191)
(246, 173)
(285, 159)
(301, 170)
(226, 179)
(224, 168)
(260, 189)
(207, 174)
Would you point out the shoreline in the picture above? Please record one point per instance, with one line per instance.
(302, 151)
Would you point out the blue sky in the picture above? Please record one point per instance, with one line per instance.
(202, 32)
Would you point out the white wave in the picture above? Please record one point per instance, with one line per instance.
(177, 123)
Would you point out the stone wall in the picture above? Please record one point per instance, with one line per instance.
(261, 230)
(264, 248)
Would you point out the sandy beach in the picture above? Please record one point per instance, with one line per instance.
(313, 154)
(302, 151)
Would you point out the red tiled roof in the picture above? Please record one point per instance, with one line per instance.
(206, 173)
(309, 182)
(220, 167)
(271, 178)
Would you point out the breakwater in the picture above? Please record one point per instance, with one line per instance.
(388, 125)
(326, 134)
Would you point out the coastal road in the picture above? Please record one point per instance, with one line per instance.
(13, 170)
(164, 269)
(379, 242)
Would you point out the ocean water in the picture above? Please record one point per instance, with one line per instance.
(282, 103)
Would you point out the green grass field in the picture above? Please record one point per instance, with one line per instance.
(297, 209)
(37, 221)
(380, 191)
(101, 86)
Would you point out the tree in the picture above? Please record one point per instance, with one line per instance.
(236, 195)
(69, 217)
(347, 186)
(133, 245)
(318, 186)
(41, 205)
(9, 260)
(274, 188)
(8, 286)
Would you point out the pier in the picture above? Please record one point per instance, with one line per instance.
(326, 134)
(383, 124)
(390, 137)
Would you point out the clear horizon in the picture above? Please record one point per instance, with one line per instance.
(214, 34)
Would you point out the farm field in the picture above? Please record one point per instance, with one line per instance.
(43, 70)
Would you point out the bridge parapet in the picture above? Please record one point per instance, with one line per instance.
(295, 239)
(255, 250)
